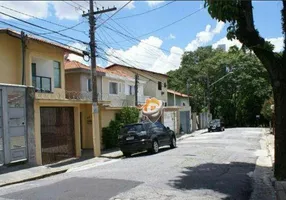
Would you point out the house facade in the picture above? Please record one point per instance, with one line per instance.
(114, 88)
(156, 83)
(177, 99)
(52, 128)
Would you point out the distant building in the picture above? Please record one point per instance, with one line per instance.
(221, 46)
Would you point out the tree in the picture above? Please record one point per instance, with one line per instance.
(239, 13)
(238, 97)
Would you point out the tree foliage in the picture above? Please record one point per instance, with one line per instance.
(237, 97)
(266, 110)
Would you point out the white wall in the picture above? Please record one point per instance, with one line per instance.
(83, 82)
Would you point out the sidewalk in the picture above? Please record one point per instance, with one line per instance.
(25, 173)
(193, 134)
(22, 173)
(280, 186)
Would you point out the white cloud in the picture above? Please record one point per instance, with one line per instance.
(36, 8)
(154, 3)
(71, 10)
(278, 43)
(228, 43)
(147, 55)
(64, 10)
(205, 36)
(171, 37)
(78, 46)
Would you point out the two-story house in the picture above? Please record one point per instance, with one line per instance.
(115, 89)
(48, 129)
(179, 99)
(156, 83)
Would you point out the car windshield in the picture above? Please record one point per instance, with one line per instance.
(134, 127)
(215, 121)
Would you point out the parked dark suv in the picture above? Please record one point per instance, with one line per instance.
(216, 125)
(145, 136)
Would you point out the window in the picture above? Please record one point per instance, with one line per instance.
(89, 85)
(131, 90)
(57, 74)
(159, 85)
(113, 88)
(34, 72)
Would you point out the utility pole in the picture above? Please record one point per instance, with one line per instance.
(188, 91)
(136, 89)
(95, 110)
(208, 95)
(23, 40)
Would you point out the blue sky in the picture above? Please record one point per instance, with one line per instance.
(197, 30)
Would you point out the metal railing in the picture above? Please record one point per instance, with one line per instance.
(112, 100)
(42, 84)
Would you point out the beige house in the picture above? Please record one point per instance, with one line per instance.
(52, 125)
(116, 89)
(156, 83)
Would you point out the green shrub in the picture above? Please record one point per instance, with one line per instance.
(127, 115)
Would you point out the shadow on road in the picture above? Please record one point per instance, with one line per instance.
(229, 179)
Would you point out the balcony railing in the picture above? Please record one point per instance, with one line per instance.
(42, 84)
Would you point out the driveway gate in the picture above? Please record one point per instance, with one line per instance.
(13, 145)
(57, 134)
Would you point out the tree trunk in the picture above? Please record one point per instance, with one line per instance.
(279, 88)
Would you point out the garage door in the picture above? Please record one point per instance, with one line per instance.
(185, 121)
(170, 120)
(57, 134)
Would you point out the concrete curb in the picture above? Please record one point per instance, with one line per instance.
(194, 134)
(35, 177)
(112, 157)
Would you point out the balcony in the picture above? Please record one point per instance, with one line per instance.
(42, 84)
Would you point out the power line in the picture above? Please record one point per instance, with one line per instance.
(80, 6)
(43, 28)
(163, 27)
(47, 21)
(143, 13)
(73, 5)
(65, 29)
(39, 35)
(114, 13)
(125, 29)
(138, 40)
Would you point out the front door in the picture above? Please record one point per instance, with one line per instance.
(57, 134)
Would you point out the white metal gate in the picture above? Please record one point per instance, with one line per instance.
(13, 146)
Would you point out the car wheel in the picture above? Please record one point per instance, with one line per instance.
(155, 147)
(173, 143)
(126, 154)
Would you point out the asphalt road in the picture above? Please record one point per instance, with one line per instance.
(209, 166)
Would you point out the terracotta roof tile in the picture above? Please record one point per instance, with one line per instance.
(72, 64)
(177, 93)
